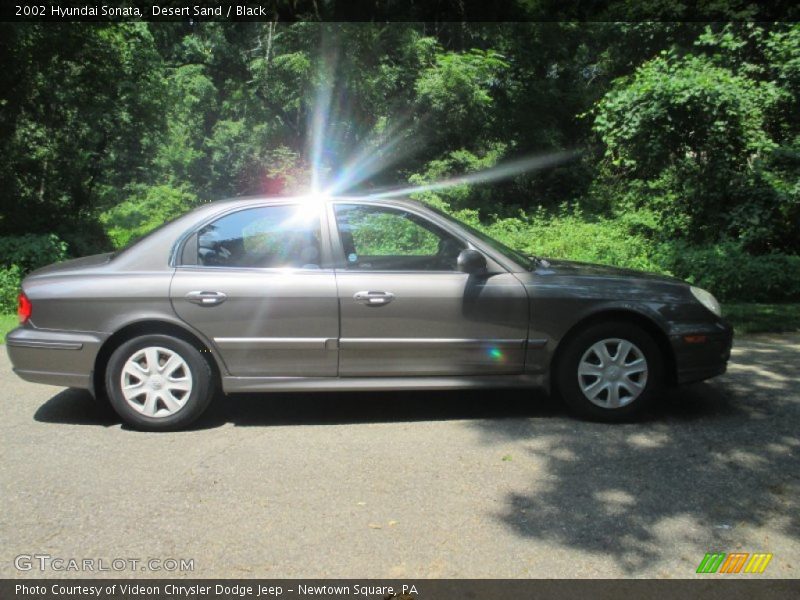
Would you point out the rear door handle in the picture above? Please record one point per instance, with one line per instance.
(374, 298)
(206, 298)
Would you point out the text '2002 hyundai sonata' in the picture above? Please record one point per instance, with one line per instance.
(299, 294)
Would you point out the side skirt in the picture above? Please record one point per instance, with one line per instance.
(308, 384)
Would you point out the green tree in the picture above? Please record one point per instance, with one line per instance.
(80, 120)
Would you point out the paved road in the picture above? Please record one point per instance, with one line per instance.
(414, 484)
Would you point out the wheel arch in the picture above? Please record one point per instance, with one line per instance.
(645, 322)
(149, 327)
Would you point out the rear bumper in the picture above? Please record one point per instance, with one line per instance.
(53, 357)
(696, 361)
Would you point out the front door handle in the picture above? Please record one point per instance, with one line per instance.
(206, 298)
(374, 298)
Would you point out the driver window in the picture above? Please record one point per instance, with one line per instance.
(378, 238)
(284, 236)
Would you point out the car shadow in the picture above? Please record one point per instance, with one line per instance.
(77, 407)
(337, 408)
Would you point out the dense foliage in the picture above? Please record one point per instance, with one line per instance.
(684, 137)
(22, 254)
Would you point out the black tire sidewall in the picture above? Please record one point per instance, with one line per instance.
(567, 371)
(199, 398)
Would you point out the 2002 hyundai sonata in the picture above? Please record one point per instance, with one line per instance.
(353, 294)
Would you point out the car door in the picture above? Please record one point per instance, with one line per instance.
(256, 283)
(407, 311)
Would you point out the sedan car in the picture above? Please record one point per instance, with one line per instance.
(302, 294)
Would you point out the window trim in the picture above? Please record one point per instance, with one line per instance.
(326, 260)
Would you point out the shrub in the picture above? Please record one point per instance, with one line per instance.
(20, 254)
(31, 251)
(86, 237)
(570, 235)
(147, 208)
(10, 278)
(690, 140)
(732, 274)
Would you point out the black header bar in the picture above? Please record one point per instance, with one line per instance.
(399, 10)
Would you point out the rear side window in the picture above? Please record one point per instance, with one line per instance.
(267, 237)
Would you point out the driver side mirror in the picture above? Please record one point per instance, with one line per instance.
(471, 261)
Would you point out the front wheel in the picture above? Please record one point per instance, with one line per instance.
(158, 383)
(609, 371)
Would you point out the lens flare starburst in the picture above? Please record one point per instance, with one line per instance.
(343, 158)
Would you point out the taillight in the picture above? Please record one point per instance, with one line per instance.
(24, 308)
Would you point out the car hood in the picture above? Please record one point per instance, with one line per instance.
(579, 269)
(75, 264)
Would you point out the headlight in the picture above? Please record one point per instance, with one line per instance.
(707, 299)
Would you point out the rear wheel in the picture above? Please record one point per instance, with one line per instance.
(158, 383)
(609, 371)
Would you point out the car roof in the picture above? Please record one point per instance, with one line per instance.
(246, 200)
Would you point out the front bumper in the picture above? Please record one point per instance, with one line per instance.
(53, 357)
(698, 360)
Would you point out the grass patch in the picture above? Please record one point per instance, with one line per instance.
(7, 323)
(762, 318)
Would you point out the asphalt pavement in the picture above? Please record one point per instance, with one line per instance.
(408, 485)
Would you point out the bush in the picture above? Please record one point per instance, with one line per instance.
(732, 274)
(31, 251)
(147, 208)
(691, 141)
(86, 237)
(20, 254)
(570, 235)
(10, 278)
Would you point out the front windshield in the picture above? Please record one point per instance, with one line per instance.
(509, 253)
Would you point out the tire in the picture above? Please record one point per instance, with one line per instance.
(165, 398)
(599, 384)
